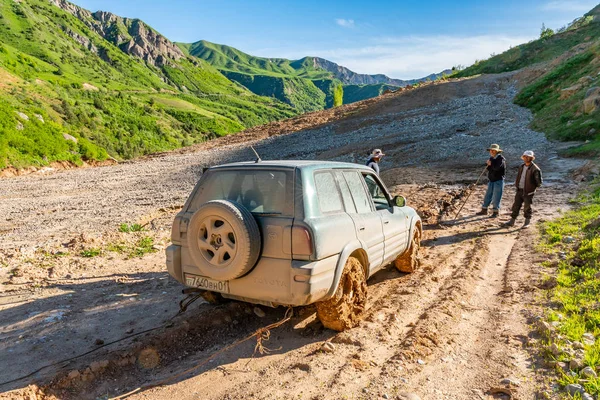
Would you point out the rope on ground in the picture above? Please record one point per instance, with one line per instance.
(261, 334)
(183, 305)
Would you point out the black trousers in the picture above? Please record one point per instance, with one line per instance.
(522, 199)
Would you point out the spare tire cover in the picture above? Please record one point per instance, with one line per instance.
(223, 240)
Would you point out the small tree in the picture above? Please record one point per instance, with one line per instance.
(338, 95)
(546, 32)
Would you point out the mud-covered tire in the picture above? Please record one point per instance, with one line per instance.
(223, 240)
(347, 306)
(409, 260)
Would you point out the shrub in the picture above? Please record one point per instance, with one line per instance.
(130, 228)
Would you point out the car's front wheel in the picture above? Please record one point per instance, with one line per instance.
(409, 260)
(347, 306)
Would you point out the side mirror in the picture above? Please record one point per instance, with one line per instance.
(399, 201)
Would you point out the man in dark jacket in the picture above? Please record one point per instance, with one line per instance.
(529, 178)
(374, 158)
(496, 166)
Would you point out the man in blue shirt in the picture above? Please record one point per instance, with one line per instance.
(496, 166)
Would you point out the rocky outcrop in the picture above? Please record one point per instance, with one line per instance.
(82, 40)
(132, 36)
(592, 100)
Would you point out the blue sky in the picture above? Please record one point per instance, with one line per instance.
(402, 39)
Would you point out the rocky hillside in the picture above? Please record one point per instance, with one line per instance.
(565, 94)
(132, 36)
(78, 86)
(349, 77)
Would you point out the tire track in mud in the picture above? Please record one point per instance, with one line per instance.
(386, 323)
(204, 331)
(412, 333)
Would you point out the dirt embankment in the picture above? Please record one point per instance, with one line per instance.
(73, 283)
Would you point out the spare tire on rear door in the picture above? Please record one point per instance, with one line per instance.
(223, 239)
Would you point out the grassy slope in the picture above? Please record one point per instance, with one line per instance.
(575, 295)
(560, 117)
(231, 59)
(43, 71)
(296, 83)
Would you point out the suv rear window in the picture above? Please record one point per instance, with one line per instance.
(260, 191)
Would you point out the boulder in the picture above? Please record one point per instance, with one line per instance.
(570, 91)
(588, 372)
(544, 328)
(38, 116)
(592, 100)
(574, 388)
(23, 116)
(588, 338)
(575, 364)
(20, 126)
(69, 137)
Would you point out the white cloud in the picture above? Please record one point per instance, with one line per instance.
(346, 23)
(417, 56)
(570, 5)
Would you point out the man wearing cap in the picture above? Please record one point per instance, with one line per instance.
(529, 178)
(496, 167)
(374, 158)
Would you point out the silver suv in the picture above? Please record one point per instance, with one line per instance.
(292, 233)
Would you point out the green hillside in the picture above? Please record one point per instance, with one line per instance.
(544, 49)
(59, 77)
(566, 99)
(228, 58)
(296, 83)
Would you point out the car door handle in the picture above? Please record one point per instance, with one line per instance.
(361, 229)
(386, 222)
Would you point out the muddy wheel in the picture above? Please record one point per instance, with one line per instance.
(346, 308)
(223, 240)
(409, 260)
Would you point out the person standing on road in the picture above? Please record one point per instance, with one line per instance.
(529, 178)
(496, 167)
(374, 158)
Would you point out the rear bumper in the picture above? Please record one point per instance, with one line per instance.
(271, 282)
(173, 254)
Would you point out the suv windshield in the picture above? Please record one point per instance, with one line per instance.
(260, 191)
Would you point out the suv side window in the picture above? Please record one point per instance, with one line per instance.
(346, 196)
(357, 188)
(329, 197)
(377, 194)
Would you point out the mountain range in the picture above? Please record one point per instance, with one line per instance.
(271, 76)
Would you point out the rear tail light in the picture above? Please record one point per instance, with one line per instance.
(302, 243)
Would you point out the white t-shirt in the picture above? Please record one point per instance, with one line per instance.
(523, 175)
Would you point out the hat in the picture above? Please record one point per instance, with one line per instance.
(377, 153)
(495, 147)
(528, 153)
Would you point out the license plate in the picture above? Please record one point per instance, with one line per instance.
(202, 282)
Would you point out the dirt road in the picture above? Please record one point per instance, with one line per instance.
(73, 283)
